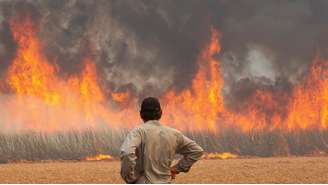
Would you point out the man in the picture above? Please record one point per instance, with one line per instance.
(149, 150)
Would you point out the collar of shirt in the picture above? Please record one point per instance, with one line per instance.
(155, 122)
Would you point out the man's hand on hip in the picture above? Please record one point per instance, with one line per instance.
(174, 172)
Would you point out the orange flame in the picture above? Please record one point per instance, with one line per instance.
(225, 155)
(197, 108)
(99, 157)
(309, 105)
(43, 100)
(120, 96)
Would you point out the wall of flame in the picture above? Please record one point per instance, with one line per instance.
(40, 99)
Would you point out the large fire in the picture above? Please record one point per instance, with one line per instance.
(198, 108)
(309, 104)
(42, 99)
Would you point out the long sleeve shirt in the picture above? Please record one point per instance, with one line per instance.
(148, 151)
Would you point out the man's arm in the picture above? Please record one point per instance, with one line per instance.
(128, 156)
(191, 152)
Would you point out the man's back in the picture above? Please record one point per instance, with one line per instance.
(148, 152)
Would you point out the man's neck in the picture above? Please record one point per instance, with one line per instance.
(153, 122)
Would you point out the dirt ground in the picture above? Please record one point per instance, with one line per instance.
(253, 170)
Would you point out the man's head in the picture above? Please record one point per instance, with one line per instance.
(150, 109)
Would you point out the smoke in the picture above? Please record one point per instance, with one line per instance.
(150, 46)
(290, 32)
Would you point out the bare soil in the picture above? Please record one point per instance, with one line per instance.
(252, 170)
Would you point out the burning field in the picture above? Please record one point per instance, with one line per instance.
(71, 84)
(39, 99)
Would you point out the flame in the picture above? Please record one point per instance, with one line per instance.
(99, 157)
(198, 108)
(262, 110)
(30, 73)
(42, 99)
(225, 155)
(120, 96)
(202, 107)
(309, 105)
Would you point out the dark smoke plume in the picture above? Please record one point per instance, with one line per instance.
(149, 46)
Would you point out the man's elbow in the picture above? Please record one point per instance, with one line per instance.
(199, 153)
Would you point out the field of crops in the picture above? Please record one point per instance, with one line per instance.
(247, 170)
(74, 145)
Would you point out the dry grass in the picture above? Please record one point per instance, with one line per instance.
(254, 170)
(75, 145)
